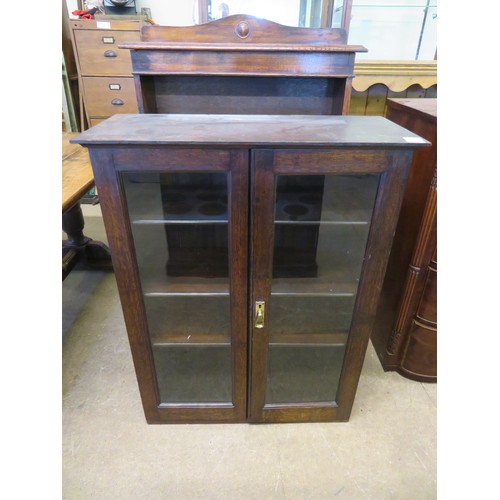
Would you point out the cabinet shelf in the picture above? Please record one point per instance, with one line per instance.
(204, 339)
(200, 339)
(327, 338)
(167, 222)
(324, 222)
(290, 287)
(225, 221)
(186, 287)
(281, 288)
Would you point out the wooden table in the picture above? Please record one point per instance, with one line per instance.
(77, 180)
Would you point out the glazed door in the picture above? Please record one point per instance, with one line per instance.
(315, 266)
(181, 266)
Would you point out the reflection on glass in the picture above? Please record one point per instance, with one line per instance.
(337, 14)
(321, 231)
(179, 225)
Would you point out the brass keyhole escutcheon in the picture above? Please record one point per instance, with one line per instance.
(259, 313)
(243, 29)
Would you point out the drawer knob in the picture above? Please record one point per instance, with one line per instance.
(110, 53)
(117, 102)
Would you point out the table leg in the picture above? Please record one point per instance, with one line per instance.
(80, 248)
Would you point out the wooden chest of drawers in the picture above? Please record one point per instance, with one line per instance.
(104, 70)
(405, 328)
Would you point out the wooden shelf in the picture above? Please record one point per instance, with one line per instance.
(309, 338)
(190, 339)
(186, 287)
(285, 287)
(277, 339)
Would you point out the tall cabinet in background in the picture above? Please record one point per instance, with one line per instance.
(405, 331)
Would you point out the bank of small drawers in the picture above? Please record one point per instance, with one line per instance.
(105, 71)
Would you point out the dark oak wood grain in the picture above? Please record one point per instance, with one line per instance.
(108, 163)
(255, 130)
(258, 81)
(244, 29)
(242, 64)
(221, 143)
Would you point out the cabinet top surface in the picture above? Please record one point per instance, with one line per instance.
(249, 130)
(425, 106)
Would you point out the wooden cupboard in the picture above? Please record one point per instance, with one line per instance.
(198, 210)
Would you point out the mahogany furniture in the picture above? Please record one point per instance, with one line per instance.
(104, 70)
(240, 342)
(405, 330)
(77, 179)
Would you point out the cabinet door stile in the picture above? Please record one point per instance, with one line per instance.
(386, 211)
(238, 273)
(115, 218)
(262, 230)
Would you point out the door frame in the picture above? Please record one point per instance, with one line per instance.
(266, 165)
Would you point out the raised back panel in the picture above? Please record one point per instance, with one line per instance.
(244, 29)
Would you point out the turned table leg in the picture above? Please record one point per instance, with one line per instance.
(80, 248)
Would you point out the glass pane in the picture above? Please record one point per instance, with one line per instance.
(179, 226)
(394, 29)
(338, 11)
(428, 45)
(321, 230)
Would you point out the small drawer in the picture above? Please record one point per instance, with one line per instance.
(107, 96)
(99, 54)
